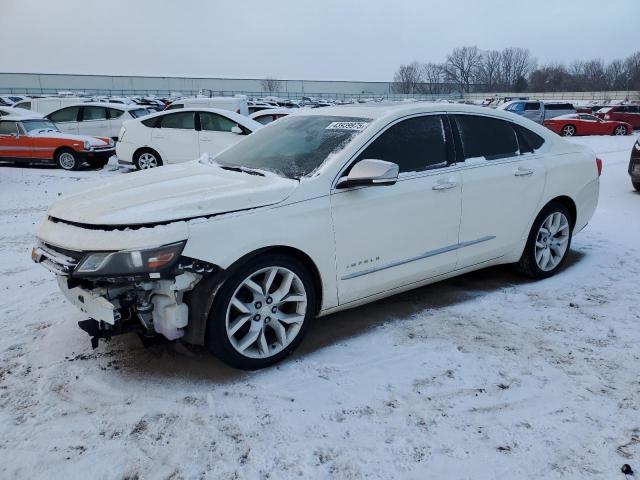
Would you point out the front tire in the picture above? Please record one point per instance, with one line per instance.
(568, 131)
(636, 185)
(620, 130)
(548, 242)
(146, 159)
(67, 159)
(261, 312)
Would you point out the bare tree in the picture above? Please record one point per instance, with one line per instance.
(594, 75)
(408, 79)
(616, 75)
(433, 75)
(462, 67)
(270, 84)
(489, 70)
(632, 66)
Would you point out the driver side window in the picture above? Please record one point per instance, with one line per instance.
(414, 145)
(8, 128)
(69, 114)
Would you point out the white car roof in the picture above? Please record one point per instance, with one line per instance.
(236, 117)
(20, 112)
(120, 106)
(19, 118)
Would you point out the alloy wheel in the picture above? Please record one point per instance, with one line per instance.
(266, 312)
(568, 130)
(147, 160)
(67, 160)
(552, 241)
(620, 130)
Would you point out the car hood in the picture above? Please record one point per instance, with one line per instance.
(93, 141)
(169, 193)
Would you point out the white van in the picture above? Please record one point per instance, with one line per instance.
(46, 105)
(235, 104)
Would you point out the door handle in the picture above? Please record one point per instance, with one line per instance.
(205, 140)
(158, 136)
(443, 185)
(523, 172)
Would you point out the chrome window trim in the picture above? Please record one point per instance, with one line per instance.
(430, 253)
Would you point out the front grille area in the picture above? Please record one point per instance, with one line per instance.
(56, 259)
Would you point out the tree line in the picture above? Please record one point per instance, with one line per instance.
(513, 69)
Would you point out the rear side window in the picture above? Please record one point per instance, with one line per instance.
(264, 119)
(486, 137)
(69, 114)
(215, 123)
(8, 128)
(414, 144)
(528, 141)
(115, 113)
(532, 106)
(138, 112)
(153, 122)
(94, 113)
(26, 105)
(183, 121)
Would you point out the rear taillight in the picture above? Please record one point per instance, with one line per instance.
(599, 165)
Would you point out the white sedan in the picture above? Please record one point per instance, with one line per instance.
(319, 212)
(177, 136)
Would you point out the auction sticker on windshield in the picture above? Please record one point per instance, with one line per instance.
(357, 126)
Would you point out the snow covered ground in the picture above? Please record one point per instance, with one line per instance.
(487, 376)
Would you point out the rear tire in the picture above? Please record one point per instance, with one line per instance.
(147, 158)
(261, 312)
(67, 159)
(568, 131)
(548, 243)
(620, 130)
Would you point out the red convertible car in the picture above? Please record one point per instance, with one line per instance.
(32, 139)
(585, 124)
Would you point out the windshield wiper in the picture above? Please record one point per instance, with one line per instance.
(243, 170)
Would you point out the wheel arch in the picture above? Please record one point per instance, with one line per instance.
(567, 202)
(62, 147)
(141, 149)
(293, 252)
(200, 299)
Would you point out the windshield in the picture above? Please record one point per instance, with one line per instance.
(294, 146)
(39, 126)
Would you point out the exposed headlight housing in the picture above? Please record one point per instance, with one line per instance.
(129, 262)
(87, 145)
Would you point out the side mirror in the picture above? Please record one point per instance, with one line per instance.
(237, 130)
(370, 172)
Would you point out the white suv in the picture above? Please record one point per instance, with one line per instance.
(320, 211)
(95, 118)
(177, 136)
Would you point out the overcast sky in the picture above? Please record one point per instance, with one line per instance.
(299, 39)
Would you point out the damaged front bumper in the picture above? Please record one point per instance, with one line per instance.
(124, 304)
